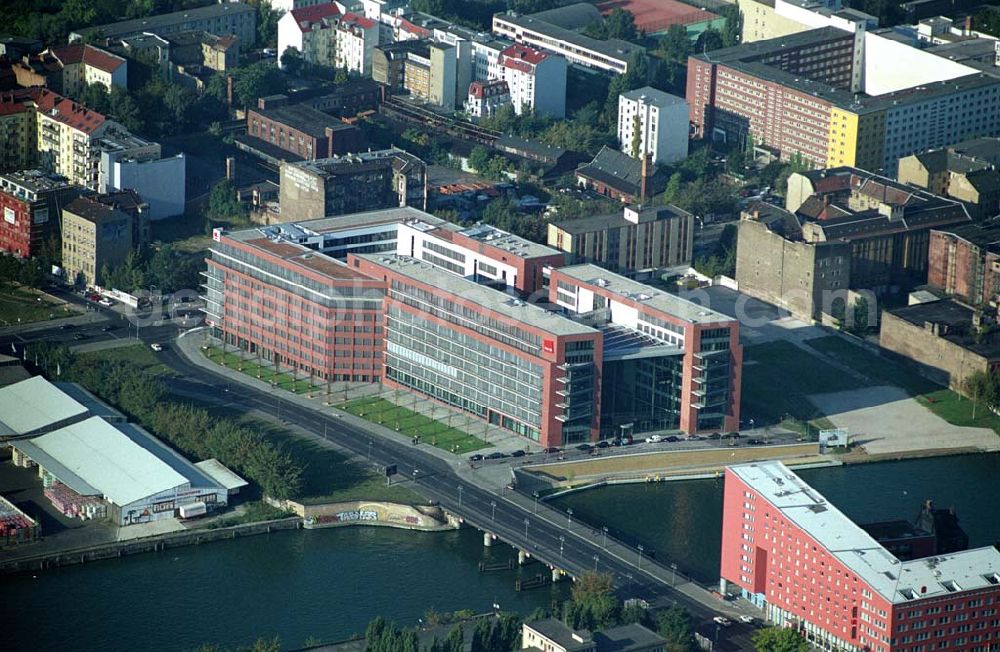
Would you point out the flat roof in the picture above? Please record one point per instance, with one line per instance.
(653, 96)
(627, 637)
(33, 404)
(104, 457)
(221, 474)
(562, 634)
(152, 23)
(480, 295)
(896, 581)
(494, 237)
(646, 295)
(612, 48)
(615, 220)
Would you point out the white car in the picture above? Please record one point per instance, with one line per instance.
(654, 439)
(747, 619)
(722, 620)
(156, 347)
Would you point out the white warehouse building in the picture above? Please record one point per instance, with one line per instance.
(655, 122)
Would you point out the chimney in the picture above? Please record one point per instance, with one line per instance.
(229, 90)
(968, 26)
(645, 177)
(230, 169)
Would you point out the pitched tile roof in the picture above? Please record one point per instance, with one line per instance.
(305, 16)
(88, 54)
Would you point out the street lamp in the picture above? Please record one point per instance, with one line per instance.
(569, 518)
(459, 495)
(562, 540)
(370, 443)
(605, 530)
(535, 494)
(526, 523)
(493, 507)
(673, 574)
(596, 559)
(639, 563)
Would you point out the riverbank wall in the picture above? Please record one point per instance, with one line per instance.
(370, 512)
(165, 541)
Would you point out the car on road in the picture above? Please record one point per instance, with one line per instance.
(475, 458)
(747, 619)
(756, 442)
(108, 328)
(654, 439)
(603, 443)
(672, 439)
(584, 447)
(156, 347)
(496, 456)
(517, 453)
(106, 302)
(715, 435)
(80, 336)
(722, 620)
(66, 327)
(551, 449)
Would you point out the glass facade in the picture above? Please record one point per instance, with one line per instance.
(644, 392)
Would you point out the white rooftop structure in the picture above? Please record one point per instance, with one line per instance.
(216, 470)
(898, 582)
(101, 456)
(35, 405)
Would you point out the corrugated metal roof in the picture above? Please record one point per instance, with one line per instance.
(33, 404)
(106, 458)
(221, 474)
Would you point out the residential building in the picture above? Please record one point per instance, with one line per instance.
(290, 5)
(221, 19)
(192, 51)
(304, 131)
(552, 635)
(357, 38)
(536, 80)
(18, 130)
(653, 122)
(767, 19)
(69, 68)
(964, 261)
(389, 63)
(966, 171)
(349, 184)
(619, 176)
(944, 339)
(822, 96)
(638, 241)
(312, 30)
(127, 162)
(16, 47)
(611, 55)
(425, 69)
(808, 566)
(94, 235)
(486, 97)
(664, 362)
(31, 201)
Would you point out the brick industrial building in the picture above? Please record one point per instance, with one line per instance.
(792, 553)
(476, 318)
(304, 131)
(821, 96)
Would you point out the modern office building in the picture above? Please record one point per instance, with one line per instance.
(94, 234)
(823, 96)
(536, 80)
(349, 184)
(664, 363)
(220, 19)
(964, 261)
(809, 567)
(638, 241)
(535, 31)
(31, 202)
(653, 122)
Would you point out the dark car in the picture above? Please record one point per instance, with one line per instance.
(584, 447)
(475, 458)
(733, 435)
(79, 336)
(715, 435)
(551, 449)
(518, 453)
(603, 444)
(672, 439)
(496, 456)
(756, 442)
(66, 327)
(109, 327)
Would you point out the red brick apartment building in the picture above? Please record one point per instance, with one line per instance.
(31, 202)
(808, 566)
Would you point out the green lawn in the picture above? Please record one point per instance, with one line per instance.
(879, 368)
(139, 354)
(777, 378)
(957, 410)
(411, 424)
(250, 368)
(20, 306)
(185, 233)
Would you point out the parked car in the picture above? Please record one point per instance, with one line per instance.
(551, 449)
(756, 442)
(517, 453)
(603, 443)
(654, 439)
(715, 435)
(747, 619)
(722, 620)
(475, 458)
(496, 456)
(66, 327)
(108, 328)
(156, 347)
(584, 447)
(80, 336)
(672, 439)
(106, 302)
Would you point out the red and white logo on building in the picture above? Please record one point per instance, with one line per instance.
(549, 346)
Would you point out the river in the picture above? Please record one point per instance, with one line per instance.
(327, 584)
(682, 520)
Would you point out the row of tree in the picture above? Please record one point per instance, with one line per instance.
(164, 268)
(192, 430)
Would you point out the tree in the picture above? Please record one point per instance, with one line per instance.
(123, 108)
(222, 203)
(636, 145)
(479, 158)
(255, 81)
(94, 96)
(708, 40)
(456, 640)
(673, 188)
(733, 26)
(593, 605)
(676, 45)
(674, 624)
(779, 639)
(291, 61)
(620, 24)
(267, 24)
